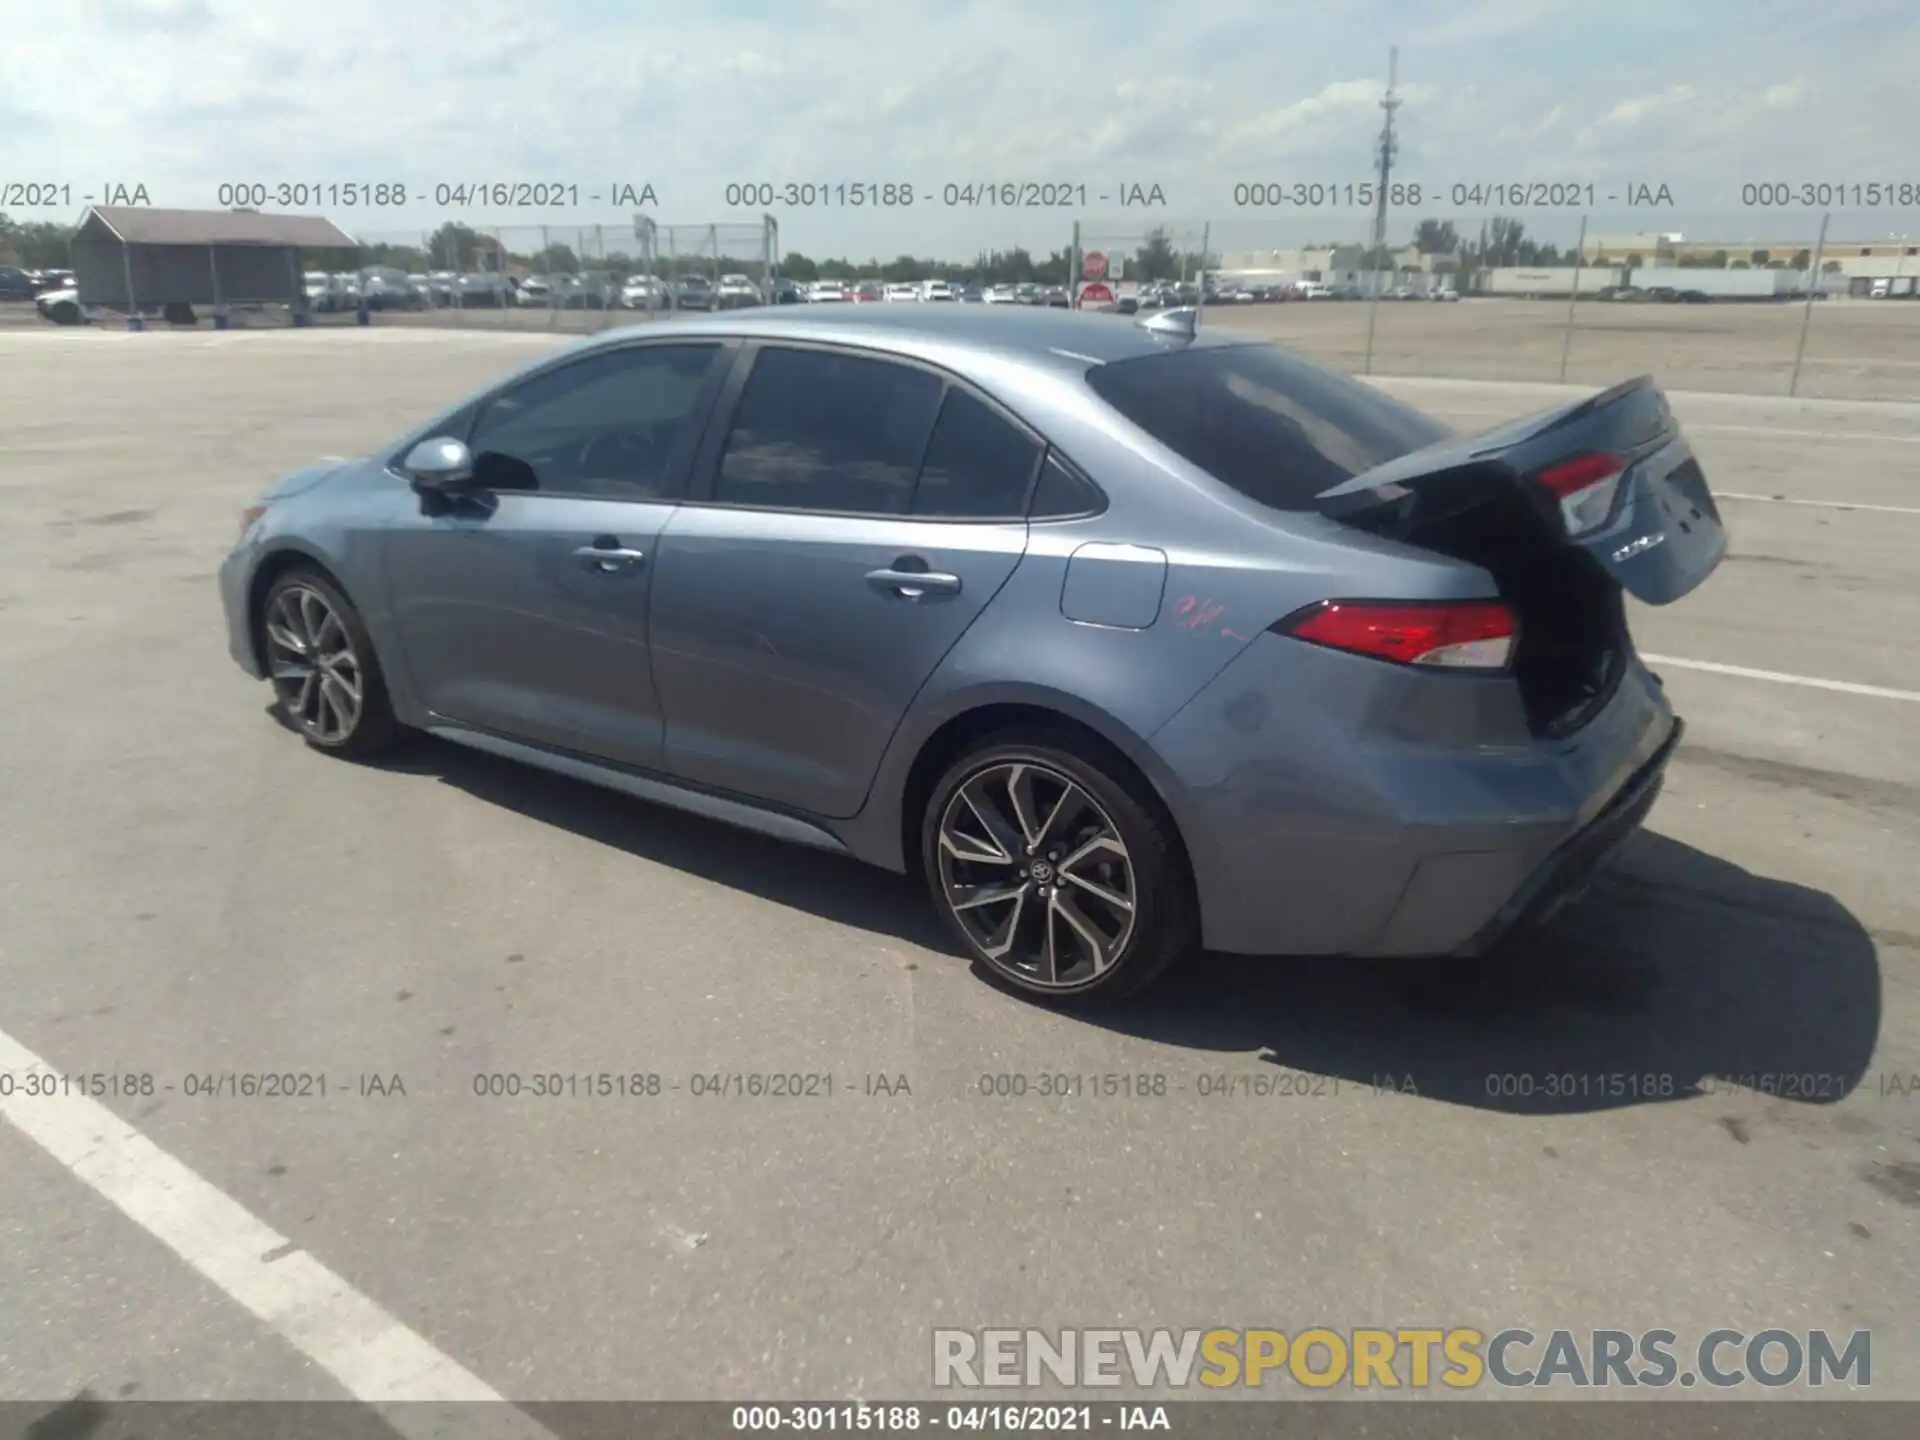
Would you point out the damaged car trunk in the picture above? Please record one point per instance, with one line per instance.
(1565, 510)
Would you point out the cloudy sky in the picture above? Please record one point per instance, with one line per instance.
(1195, 97)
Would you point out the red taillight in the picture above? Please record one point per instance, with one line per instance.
(1585, 487)
(1455, 635)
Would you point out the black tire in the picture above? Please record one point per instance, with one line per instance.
(1164, 913)
(374, 728)
(65, 313)
(178, 313)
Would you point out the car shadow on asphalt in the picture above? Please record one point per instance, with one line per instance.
(833, 887)
(1678, 973)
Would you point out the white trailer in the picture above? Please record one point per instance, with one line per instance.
(1546, 282)
(1720, 284)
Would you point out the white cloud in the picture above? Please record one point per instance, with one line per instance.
(1643, 107)
(1779, 97)
(1489, 19)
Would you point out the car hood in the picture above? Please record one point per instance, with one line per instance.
(296, 482)
(54, 297)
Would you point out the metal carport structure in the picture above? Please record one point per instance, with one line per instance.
(131, 258)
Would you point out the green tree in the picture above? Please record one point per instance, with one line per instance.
(455, 247)
(1156, 260)
(1436, 237)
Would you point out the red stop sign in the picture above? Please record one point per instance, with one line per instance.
(1096, 294)
(1093, 265)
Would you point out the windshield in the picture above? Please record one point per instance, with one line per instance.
(1274, 427)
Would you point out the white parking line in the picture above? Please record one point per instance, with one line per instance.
(378, 1359)
(1845, 687)
(1843, 435)
(1818, 504)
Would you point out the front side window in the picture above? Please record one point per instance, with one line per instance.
(822, 431)
(605, 426)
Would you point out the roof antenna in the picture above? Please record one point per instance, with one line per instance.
(1184, 322)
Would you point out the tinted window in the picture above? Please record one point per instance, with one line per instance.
(605, 426)
(1064, 491)
(978, 466)
(1276, 428)
(819, 431)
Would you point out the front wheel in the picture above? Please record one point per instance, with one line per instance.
(1059, 877)
(326, 677)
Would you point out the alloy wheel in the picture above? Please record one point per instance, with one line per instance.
(1036, 873)
(315, 669)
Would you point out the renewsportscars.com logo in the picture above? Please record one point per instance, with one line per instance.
(1321, 1358)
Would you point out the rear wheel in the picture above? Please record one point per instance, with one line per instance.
(326, 677)
(1060, 878)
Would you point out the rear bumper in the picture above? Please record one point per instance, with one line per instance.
(1332, 805)
(1564, 876)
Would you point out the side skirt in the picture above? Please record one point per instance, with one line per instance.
(655, 790)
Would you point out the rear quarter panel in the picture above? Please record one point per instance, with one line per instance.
(1231, 568)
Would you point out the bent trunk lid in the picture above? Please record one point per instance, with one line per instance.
(1661, 536)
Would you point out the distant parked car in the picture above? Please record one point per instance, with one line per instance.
(386, 288)
(478, 289)
(1056, 297)
(643, 292)
(937, 290)
(16, 284)
(693, 292)
(788, 292)
(1694, 297)
(1313, 290)
(869, 292)
(62, 307)
(829, 292)
(1445, 292)
(736, 292)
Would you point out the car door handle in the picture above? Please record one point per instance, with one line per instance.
(609, 559)
(913, 584)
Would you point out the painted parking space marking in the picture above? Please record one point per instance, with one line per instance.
(373, 1355)
(1844, 687)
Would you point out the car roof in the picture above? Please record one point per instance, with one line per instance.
(1051, 339)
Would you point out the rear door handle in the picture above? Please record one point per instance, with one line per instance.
(609, 559)
(913, 584)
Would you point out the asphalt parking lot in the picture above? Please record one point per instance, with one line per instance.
(188, 891)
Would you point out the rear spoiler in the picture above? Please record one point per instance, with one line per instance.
(1630, 417)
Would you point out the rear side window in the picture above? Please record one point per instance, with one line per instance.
(978, 466)
(820, 431)
(1276, 428)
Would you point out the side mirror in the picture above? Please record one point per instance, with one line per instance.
(439, 465)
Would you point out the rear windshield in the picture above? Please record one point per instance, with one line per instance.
(1276, 428)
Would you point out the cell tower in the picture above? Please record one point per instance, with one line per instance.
(1390, 102)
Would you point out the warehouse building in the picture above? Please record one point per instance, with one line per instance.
(135, 259)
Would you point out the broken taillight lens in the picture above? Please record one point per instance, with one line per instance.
(1585, 487)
